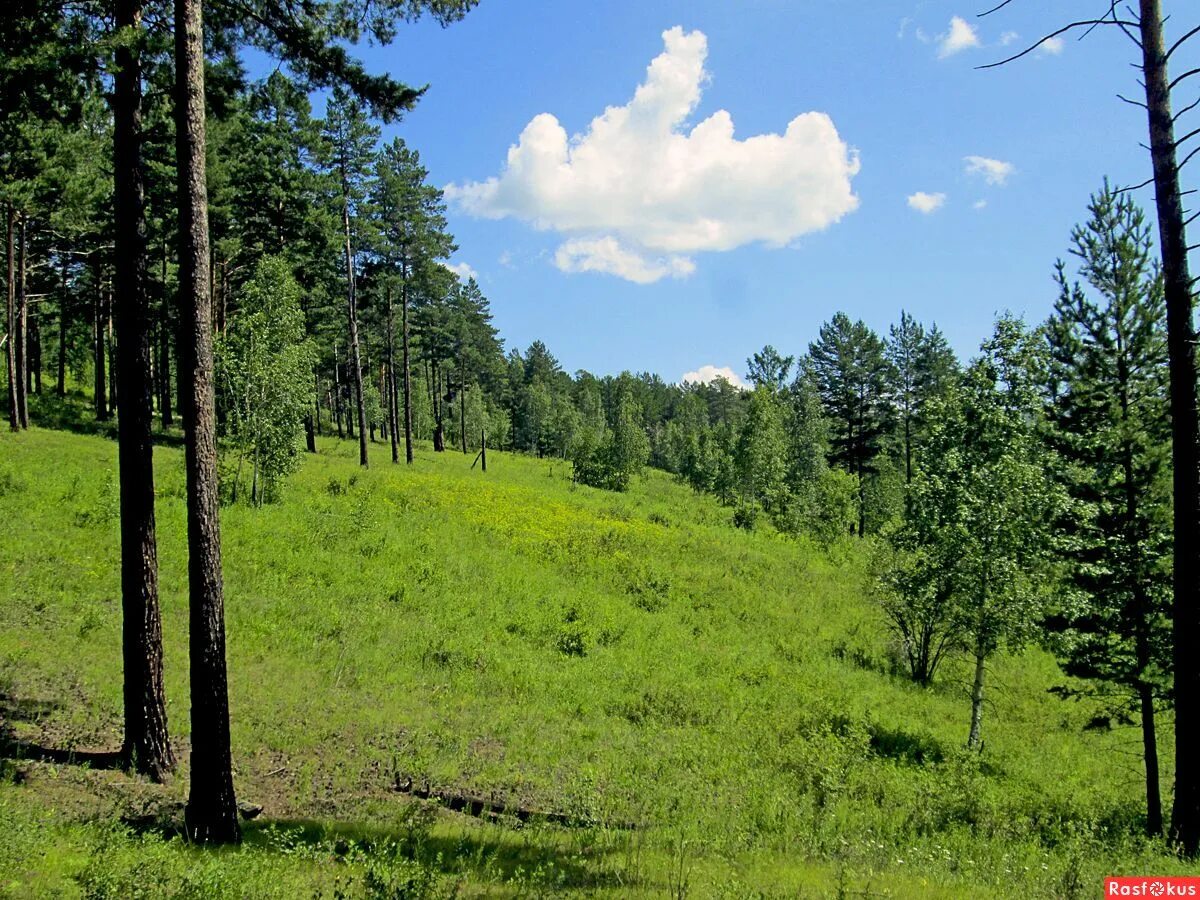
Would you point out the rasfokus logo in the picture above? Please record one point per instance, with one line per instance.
(1152, 886)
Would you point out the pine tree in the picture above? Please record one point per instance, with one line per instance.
(411, 216)
(922, 364)
(1111, 429)
(851, 373)
(351, 140)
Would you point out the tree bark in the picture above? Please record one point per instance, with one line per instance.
(211, 813)
(393, 415)
(408, 438)
(352, 315)
(10, 306)
(147, 745)
(975, 738)
(22, 326)
(1185, 432)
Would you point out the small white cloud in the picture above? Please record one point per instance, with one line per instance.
(608, 256)
(1009, 37)
(506, 260)
(463, 270)
(979, 204)
(904, 23)
(642, 181)
(961, 36)
(709, 374)
(922, 36)
(1052, 46)
(926, 203)
(994, 171)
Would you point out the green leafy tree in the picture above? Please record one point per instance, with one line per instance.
(761, 454)
(1110, 426)
(264, 367)
(622, 453)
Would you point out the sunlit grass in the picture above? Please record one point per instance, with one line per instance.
(630, 660)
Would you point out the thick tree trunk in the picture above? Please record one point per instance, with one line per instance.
(408, 438)
(1185, 433)
(22, 327)
(147, 746)
(10, 307)
(211, 814)
(352, 315)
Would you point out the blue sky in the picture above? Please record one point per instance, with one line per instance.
(761, 243)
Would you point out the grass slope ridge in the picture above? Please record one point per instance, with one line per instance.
(619, 659)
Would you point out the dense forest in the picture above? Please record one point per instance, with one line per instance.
(193, 252)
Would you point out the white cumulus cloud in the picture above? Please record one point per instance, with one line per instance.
(1053, 46)
(709, 374)
(926, 203)
(463, 270)
(994, 171)
(961, 36)
(608, 256)
(640, 190)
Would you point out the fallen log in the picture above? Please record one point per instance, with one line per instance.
(494, 808)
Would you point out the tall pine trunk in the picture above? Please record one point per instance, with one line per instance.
(211, 814)
(393, 416)
(10, 307)
(352, 315)
(408, 438)
(22, 326)
(1185, 432)
(147, 745)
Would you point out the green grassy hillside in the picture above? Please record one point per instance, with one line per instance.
(718, 710)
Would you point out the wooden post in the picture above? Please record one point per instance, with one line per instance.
(483, 448)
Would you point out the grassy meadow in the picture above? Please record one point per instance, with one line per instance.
(716, 712)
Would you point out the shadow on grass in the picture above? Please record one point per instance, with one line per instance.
(16, 709)
(74, 413)
(491, 852)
